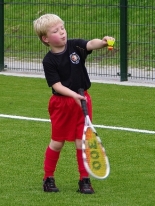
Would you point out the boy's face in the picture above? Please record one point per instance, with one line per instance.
(56, 36)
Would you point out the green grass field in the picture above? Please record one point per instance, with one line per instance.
(23, 143)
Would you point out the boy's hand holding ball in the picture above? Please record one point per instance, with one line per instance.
(110, 43)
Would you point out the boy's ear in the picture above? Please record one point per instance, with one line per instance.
(44, 39)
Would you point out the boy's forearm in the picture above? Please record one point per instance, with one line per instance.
(96, 44)
(58, 87)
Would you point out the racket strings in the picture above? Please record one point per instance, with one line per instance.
(95, 155)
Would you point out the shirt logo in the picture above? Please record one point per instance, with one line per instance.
(74, 58)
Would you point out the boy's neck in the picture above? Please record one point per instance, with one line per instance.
(58, 49)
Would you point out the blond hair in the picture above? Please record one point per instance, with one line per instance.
(42, 24)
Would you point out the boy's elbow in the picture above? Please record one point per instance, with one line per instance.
(89, 46)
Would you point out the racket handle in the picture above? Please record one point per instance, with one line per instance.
(83, 102)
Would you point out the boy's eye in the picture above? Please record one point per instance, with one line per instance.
(56, 30)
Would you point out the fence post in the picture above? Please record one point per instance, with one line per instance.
(2, 35)
(123, 40)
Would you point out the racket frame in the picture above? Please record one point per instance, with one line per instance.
(87, 125)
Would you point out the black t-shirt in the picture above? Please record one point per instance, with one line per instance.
(68, 67)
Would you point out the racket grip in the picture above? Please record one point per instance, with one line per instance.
(83, 102)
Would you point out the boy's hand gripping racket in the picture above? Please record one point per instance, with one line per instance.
(94, 156)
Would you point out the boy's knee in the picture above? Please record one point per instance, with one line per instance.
(78, 143)
(55, 145)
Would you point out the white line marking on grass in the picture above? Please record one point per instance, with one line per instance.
(126, 129)
(24, 118)
(99, 126)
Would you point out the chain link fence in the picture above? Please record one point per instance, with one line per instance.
(85, 19)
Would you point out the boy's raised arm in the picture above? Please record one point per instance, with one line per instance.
(98, 43)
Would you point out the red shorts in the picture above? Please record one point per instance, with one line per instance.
(67, 118)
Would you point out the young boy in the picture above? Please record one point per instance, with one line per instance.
(65, 72)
